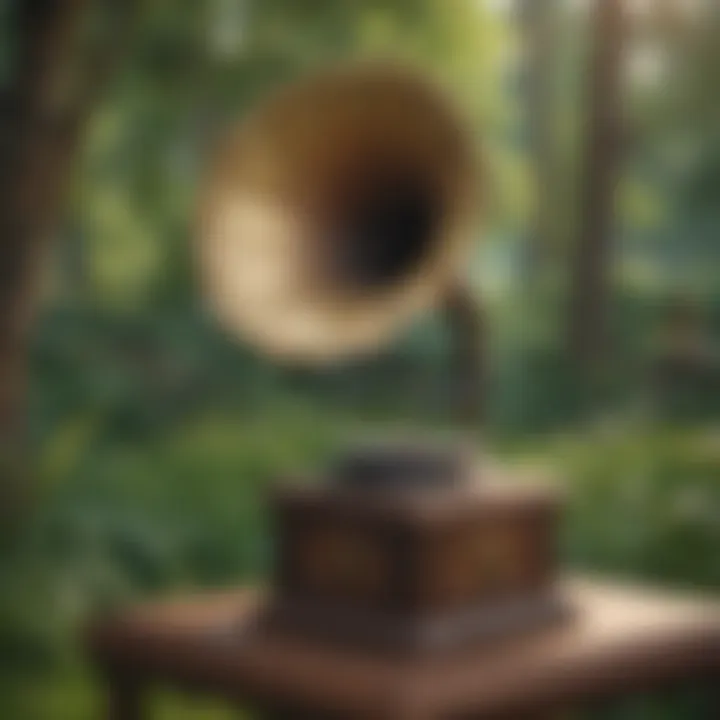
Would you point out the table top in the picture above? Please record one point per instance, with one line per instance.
(619, 637)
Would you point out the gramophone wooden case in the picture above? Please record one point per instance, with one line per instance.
(414, 553)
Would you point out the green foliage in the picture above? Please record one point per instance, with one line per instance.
(156, 436)
(186, 510)
(647, 504)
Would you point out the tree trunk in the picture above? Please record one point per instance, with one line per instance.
(537, 20)
(43, 112)
(588, 331)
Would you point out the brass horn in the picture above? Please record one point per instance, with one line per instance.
(338, 209)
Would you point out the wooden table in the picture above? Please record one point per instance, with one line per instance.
(622, 639)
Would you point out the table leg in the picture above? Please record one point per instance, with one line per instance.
(124, 701)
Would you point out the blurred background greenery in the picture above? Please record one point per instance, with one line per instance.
(153, 434)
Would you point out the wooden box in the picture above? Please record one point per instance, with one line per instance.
(414, 551)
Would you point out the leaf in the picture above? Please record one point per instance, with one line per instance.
(64, 451)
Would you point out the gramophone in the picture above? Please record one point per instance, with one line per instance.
(339, 209)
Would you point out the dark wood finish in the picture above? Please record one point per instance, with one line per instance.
(622, 639)
(415, 567)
